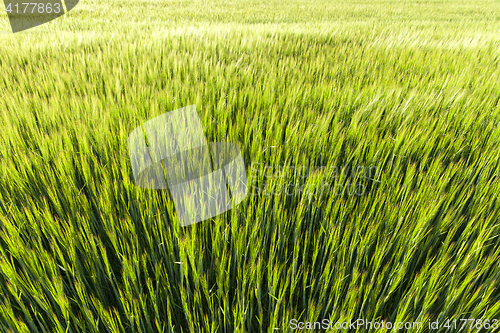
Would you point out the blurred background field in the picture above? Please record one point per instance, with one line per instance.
(409, 87)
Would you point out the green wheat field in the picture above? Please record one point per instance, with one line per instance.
(407, 90)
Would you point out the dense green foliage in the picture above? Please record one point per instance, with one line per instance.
(408, 88)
